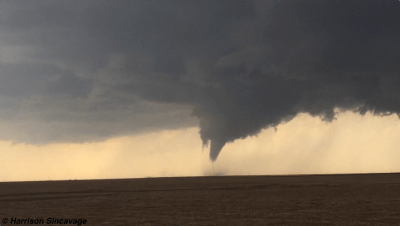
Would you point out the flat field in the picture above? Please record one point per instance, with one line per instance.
(370, 199)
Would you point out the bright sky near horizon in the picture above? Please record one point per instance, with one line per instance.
(305, 145)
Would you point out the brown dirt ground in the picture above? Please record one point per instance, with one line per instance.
(372, 199)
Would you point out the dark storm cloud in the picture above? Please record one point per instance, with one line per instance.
(242, 65)
(70, 84)
(25, 79)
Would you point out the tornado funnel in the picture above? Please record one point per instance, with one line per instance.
(215, 148)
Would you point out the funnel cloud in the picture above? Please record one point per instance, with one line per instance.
(239, 66)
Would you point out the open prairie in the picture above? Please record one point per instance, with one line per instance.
(370, 199)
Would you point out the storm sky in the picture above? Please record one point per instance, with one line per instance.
(81, 72)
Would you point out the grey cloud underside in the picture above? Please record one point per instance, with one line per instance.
(241, 65)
